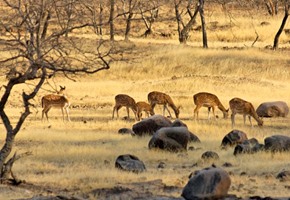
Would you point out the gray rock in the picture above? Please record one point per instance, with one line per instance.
(284, 175)
(179, 123)
(277, 143)
(130, 163)
(170, 138)
(233, 138)
(248, 146)
(210, 155)
(126, 131)
(150, 125)
(209, 183)
(273, 109)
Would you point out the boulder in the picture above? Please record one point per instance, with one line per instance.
(233, 138)
(130, 163)
(210, 155)
(150, 125)
(248, 146)
(124, 131)
(273, 109)
(277, 143)
(179, 123)
(284, 175)
(208, 183)
(171, 139)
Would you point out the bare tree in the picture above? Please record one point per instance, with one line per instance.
(36, 49)
(128, 9)
(111, 20)
(149, 13)
(184, 29)
(272, 7)
(203, 24)
(284, 20)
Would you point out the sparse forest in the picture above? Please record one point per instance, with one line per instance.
(99, 49)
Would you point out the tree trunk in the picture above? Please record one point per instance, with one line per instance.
(112, 11)
(5, 151)
(128, 26)
(183, 33)
(277, 36)
(203, 24)
(101, 19)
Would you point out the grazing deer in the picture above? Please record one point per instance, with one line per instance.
(143, 106)
(163, 99)
(245, 108)
(58, 100)
(204, 99)
(126, 101)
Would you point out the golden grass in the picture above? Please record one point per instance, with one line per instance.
(80, 155)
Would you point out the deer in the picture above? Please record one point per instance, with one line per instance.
(144, 106)
(205, 99)
(58, 100)
(162, 99)
(126, 101)
(245, 108)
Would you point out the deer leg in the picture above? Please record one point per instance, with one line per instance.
(250, 121)
(117, 110)
(45, 111)
(233, 119)
(195, 112)
(244, 116)
(67, 113)
(113, 112)
(213, 111)
(165, 107)
(128, 112)
(208, 113)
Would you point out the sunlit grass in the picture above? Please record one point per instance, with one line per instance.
(80, 155)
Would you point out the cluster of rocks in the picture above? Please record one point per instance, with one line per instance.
(239, 139)
(208, 183)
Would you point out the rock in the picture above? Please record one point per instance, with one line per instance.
(173, 139)
(179, 123)
(248, 146)
(150, 125)
(209, 183)
(130, 163)
(284, 175)
(233, 138)
(277, 143)
(210, 155)
(273, 109)
(126, 131)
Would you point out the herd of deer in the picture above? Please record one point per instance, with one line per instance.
(202, 99)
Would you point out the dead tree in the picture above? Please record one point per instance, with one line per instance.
(203, 24)
(38, 50)
(284, 20)
(184, 29)
(272, 8)
(150, 8)
(111, 19)
(128, 10)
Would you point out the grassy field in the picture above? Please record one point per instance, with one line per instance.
(79, 156)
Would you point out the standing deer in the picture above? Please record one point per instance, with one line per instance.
(126, 101)
(143, 106)
(58, 100)
(162, 99)
(245, 108)
(204, 99)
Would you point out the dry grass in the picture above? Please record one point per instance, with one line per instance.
(79, 156)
